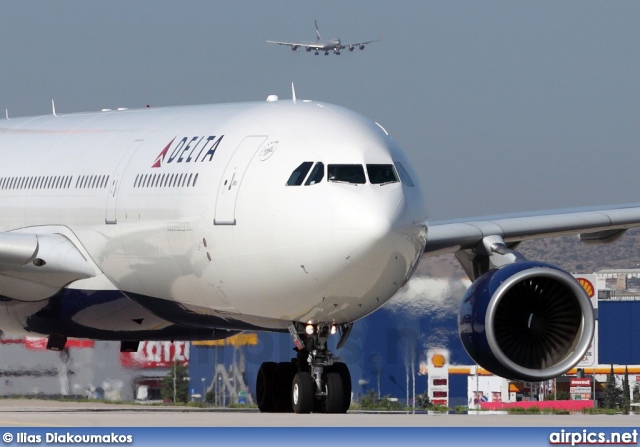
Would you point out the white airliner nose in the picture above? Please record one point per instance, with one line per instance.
(364, 217)
(377, 246)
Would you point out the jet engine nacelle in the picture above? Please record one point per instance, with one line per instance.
(294, 47)
(526, 321)
(362, 47)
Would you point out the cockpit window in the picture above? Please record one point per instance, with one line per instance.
(316, 176)
(298, 175)
(381, 174)
(346, 173)
(404, 176)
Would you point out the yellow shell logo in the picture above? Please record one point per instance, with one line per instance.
(588, 287)
(438, 360)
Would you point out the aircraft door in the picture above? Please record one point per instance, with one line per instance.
(111, 217)
(225, 213)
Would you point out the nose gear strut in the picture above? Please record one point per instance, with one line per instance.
(313, 381)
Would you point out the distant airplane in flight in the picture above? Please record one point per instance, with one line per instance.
(331, 45)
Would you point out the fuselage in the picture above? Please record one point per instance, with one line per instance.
(330, 45)
(255, 213)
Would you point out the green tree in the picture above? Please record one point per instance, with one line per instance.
(611, 392)
(626, 404)
(368, 401)
(181, 384)
(422, 401)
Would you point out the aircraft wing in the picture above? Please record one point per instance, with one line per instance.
(36, 266)
(352, 46)
(296, 45)
(593, 225)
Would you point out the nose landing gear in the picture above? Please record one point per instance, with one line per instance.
(313, 381)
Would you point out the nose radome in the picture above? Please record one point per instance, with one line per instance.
(364, 217)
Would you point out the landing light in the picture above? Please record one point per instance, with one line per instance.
(309, 329)
(334, 329)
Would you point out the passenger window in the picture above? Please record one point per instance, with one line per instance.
(317, 174)
(382, 174)
(298, 175)
(346, 173)
(404, 176)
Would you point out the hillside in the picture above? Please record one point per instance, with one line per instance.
(566, 252)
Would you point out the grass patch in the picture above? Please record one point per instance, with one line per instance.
(599, 411)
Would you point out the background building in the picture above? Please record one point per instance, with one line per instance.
(85, 368)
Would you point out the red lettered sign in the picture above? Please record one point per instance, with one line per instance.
(156, 354)
(580, 382)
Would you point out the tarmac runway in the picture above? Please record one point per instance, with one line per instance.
(42, 413)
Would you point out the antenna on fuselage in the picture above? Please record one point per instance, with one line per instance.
(293, 93)
(53, 108)
(6, 113)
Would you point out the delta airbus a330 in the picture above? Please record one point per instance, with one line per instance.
(192, 223)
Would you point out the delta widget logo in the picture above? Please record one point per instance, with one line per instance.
(188, 150)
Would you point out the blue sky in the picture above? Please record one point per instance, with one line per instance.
(502, 106)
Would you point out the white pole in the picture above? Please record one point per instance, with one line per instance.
(413, 381)
(175, 362)
(595, 402)
(477, 390)
(406, 370)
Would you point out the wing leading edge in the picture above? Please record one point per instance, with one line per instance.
(312, 45)
(594, 225)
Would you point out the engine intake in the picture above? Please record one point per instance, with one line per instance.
(526, 321)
